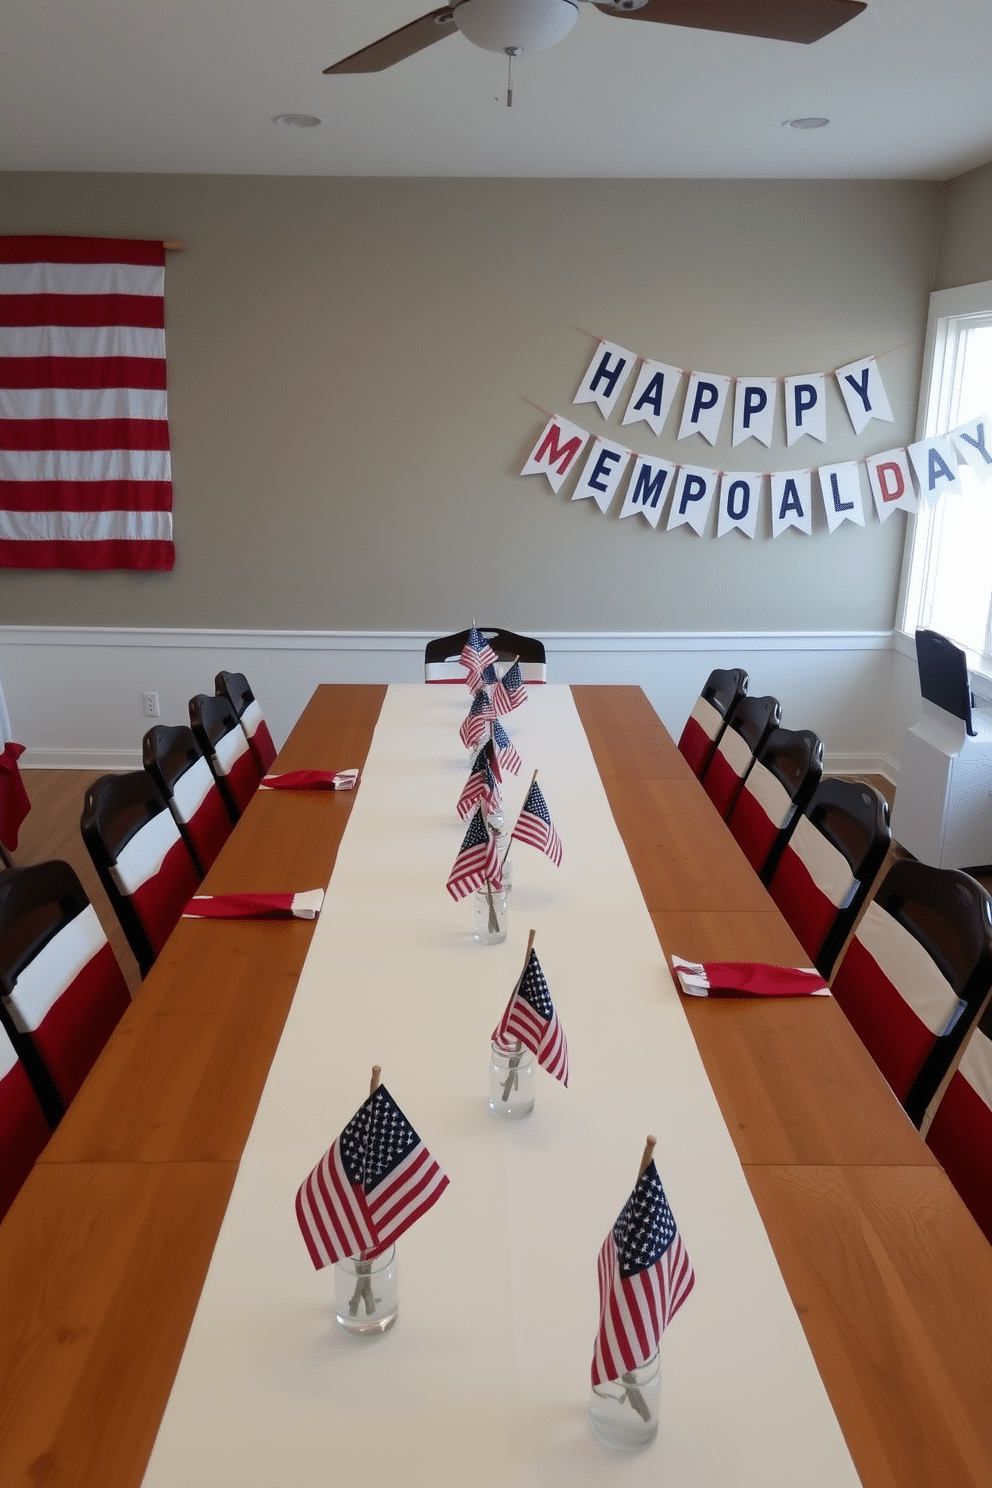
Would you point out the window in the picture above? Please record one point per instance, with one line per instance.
(948, 576)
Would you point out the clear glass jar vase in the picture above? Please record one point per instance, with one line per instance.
(623, 1413)
(490, 915)
(512, 1081)
(365, 1298)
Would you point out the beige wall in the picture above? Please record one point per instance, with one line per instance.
(349, 360)
(965, 255)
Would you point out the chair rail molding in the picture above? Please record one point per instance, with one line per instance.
(75, 693)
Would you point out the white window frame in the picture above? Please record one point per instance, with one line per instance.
(952, 312)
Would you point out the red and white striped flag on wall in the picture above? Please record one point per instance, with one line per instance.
(85, 473)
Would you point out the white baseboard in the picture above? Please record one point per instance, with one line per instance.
(74, 692)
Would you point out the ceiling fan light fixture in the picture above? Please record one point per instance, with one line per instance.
(515, 25)
(298, 121)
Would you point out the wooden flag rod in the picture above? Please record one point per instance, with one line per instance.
(376, 1076)
(173, 245)
(646, 1156)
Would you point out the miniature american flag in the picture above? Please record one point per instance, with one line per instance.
(482, 785)
(477, 862)
(530, 1017)
(534, 825)
(371, 1185)
(477, 654)
(510, 692)
(476, 726)
(644, 1277)
(505, 752)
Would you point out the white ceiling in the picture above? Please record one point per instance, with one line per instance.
(193, 85)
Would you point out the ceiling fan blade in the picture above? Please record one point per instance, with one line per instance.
(399, 45)
(781, 20)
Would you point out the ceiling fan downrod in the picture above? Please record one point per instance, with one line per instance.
(511, 52)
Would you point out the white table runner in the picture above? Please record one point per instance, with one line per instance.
(484, 1380)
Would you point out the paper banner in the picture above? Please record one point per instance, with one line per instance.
(555, 452)
(891, 483)
(694, 491)
(603, 472)
(654, 392)
(861, 387)
(754, 409)
(840, 488)
(740, 495)
(972, 443)
(704, 401)
(605, 376)
(648, 488)
(805, 407)
(936, 467)
(792, 501)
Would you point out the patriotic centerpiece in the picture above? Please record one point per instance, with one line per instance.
(370, 1186)
(477, 725)
(644, 1277)
(510, 692)
(530, 1020)
(367, 1189)
(534, 824)
(505, 753)
(483, 784)
(477, 655)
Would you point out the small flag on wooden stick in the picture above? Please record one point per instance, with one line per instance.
(534, 824)
(644, 1277)
(370, 1186)
(530, 1018)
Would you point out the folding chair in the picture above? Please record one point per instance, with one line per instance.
(749, 723)
(61, 989)
(221, 738)
(785, 773)
(960, 1135)
(173, 759)
(144, 864)
(721, 692)
(23, 1128)
(915, 975)
(234, 686)
(441, 663)
(829, 864)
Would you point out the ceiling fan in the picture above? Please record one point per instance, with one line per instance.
(516, 26)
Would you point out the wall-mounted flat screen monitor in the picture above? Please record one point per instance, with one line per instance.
(944, 675)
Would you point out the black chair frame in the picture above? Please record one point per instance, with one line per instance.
(854, 818)
(115, 808)
(795, 758)
(167, 753)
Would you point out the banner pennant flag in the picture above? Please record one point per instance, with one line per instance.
(864, 396)
(891, 483)
(653, 395)
(556, 451)
(705, 398)
(603, 473)
(754, 409)
(605, 376)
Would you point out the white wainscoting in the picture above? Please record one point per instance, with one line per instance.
(74, 693)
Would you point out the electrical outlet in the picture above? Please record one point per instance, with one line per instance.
(149, 704)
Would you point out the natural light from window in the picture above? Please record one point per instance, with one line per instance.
(949, 583)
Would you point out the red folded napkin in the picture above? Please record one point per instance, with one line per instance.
(747, 979)
(255, 906)
(312, 780)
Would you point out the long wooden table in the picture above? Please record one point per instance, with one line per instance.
(104, 1253)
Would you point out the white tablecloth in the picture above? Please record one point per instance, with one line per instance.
(484, 1380)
